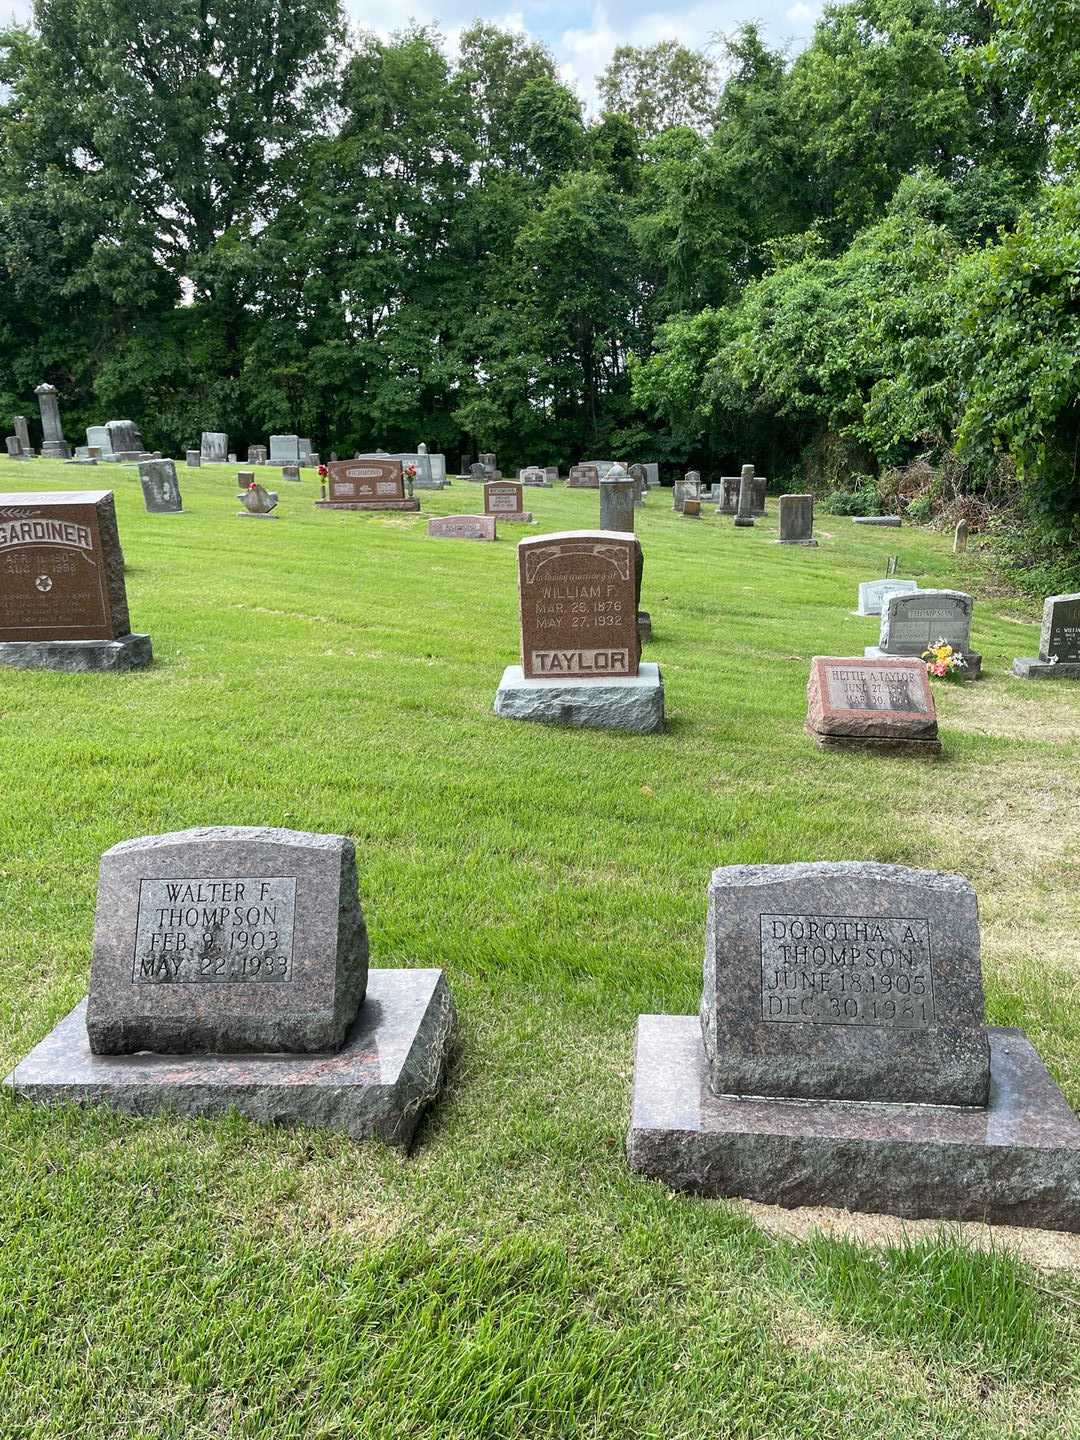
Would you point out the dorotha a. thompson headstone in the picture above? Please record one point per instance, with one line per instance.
(841, 1058)
(229, 969)
(580, 648)
(462, 527)
(63, 603)
(885, 705)
(1059, 642)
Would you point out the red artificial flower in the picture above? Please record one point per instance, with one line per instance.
(323, 472)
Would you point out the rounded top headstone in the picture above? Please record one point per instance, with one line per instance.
(617, 472)
(748, 472)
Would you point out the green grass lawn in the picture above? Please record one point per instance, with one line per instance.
(335, 672)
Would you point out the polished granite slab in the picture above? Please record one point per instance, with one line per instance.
(390, 1067)
(1017, 1162)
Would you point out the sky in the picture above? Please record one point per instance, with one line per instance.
(581, 36)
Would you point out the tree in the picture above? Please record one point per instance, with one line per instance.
(659, 86)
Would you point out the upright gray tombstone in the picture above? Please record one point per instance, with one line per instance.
(637, 475)
(960, 537)
(22, 431)
(729, 495)
(215, 447)
(744, 517)
(911, 623)
(97, 438)
(1059, 642)
(873, 593)
(617, 501)
(256, 455)
(14, 447)
(161, 490)
(125, 437)
(284, 450)
(53, 444)
(652, 474)
(226, 939)
(796, 520)
(842, 1058)
(193, 458)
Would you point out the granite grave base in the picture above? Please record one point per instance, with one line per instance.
(875, 744)
(1032, 668)
(367, 505)
(971, 671)
(1015, 1163)
(891, 521)
(130, 652)
(626, 702)
(377, 1085)
(256, 515)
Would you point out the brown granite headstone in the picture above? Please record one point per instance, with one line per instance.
(367, 484)
(61, 568)
(584, 477)
(505, 499)
(462, 527)
(872, 704)
(579, 593)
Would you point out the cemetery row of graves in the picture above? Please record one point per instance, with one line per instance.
(839, 1045)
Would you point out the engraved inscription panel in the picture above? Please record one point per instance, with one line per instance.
(867, 687)
(503, 499)
(52, 576)
(217, 931)
(846, 970)
(578, 608)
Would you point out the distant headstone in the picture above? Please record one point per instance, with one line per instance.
(366, 485)
(53, 444)
(729, 495)
(552, 474)
(796, 520)
(193, 458)
(533, 475)
(304, 447)
(478, 471)
(580, 649)
(882, 705)
(637, 475)
(487, 460)
(602, 466)
(22, 431)
(504, 499)
(225, 940)
(744, 518)
(161, 490)
(583, 477)
(232, 457)
(462, 527)
(98, 437)
(258, 502)
(291, 472)
(284, 450)
(215, 447)
(691, 509)
(873, 593)
(889, 521)
(63, 603)
(14, 447)
(826, 986)
(911, 623)
(617, 501)
(125, 437)
(1059, 642)
(960, 537)
(257, 455)
(652, 474)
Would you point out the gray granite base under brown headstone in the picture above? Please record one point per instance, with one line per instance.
(390, 1067)
(130, 652)
(1015, 1163)
(971, 671)
(624, 702)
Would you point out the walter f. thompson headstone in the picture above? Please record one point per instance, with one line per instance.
(230, 970)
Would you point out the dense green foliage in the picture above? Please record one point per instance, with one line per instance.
(842, 265)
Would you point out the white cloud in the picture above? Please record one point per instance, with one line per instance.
(800, 12)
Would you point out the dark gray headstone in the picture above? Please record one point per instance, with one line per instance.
(22, 431)
(617, 501)
(215, 447)
(797, 520)
(226, 940)
(744, 517)
(53, 444)
(1059, 638)
(284, 449)
(125, 437)
(161, 490)
(194, 458)
(911, 623)
(846, 981)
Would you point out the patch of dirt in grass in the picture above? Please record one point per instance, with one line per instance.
(1051, 712)
(1044, 1249)
(327, 1201)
